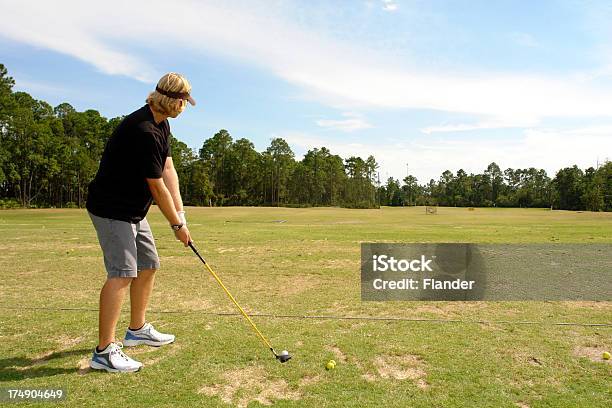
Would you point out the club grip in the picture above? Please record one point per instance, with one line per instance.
(195, 251)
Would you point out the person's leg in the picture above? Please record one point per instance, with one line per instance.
(118, 243)
(111, 299)
(108, 356)
(141, 332)
(140, 292)
(142, 286)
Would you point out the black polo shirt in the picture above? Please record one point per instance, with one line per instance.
(137, 150)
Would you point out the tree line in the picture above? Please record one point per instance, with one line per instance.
(570, 189)
(231, 172)
(48, 156)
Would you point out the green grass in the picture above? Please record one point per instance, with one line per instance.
(308, 265)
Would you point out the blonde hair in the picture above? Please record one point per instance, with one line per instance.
(172, 82)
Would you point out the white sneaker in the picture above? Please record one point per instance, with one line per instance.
(147, 335)
(113, 360)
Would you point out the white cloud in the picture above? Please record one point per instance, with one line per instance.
(352, 123)
(63, 27)
(334, 72)
(462, 127)
(428, 156)
(511, 97)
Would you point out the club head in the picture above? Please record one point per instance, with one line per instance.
(283, 358)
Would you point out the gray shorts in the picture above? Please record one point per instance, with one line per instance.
(128, 248)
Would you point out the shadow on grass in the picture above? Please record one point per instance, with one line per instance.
(21, 368)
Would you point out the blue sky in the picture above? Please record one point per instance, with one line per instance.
(432, 85)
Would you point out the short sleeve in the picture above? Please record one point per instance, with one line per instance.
(152, 157)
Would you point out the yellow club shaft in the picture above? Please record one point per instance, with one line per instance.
(261, 336)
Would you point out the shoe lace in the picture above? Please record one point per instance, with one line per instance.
(118, 350)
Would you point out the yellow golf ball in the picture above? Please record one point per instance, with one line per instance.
(605, 355)
(330, 365)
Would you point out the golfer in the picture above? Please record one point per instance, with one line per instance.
(135, 169)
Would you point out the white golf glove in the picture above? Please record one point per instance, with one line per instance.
(181, 215)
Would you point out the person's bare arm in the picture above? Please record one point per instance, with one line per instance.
(172, 184)
(165, 202)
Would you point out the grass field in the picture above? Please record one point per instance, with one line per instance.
(463, 354)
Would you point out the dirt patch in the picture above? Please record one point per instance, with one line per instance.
(196, 304)
(174, 348)
(224, 250)
(449, 309)
(340, 308)
(239, 251)
(523, 356)
(521, 405)
(294, 285)
(441, 311)
(243, 386)
(491, 327)
(83, 366)
(66, 342)
(405, 367)
(592, 353)
(340, 356)
(369, 377)
(309, 380)
(535, 362)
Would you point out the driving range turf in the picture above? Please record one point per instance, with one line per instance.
(299, 262)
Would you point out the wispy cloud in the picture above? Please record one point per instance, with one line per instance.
(334, 72)
(352, 123)
(462, 127)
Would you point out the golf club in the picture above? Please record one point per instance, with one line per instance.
(284, 355)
